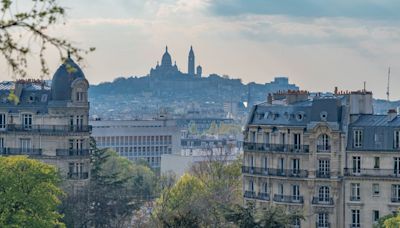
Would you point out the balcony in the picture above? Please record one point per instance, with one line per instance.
(280, 148)
(288, 199)
(356, 225)
(78, 176)
(296, 173)
(263, 196)
(46, 128)
(355, 198)
(395, 199)
(323, 148)
(322, 225)
(322, 201)
(253, 195)
(72, 152)
(372, 172)
(323, 174)
(21, 151)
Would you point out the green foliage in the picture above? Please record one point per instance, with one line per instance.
(192, 128)
(33, 21)
(269, 217)
(29, 194)
(13, 98)
(390, 221)
(229, 129)
(181, 205)
(116, 190)
(213, 130)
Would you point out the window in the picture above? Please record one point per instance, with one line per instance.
(295, 192)
(265, 164)
(323, 220)
(323, 143)
(283, 138)
(25, 145)
(323, 168)
(253, 136)
(266, 137)
(1, 143)
(80, 96)
(75, 170)
(356, 164)
(296, 166)
(396, 141)
(297, 141)
(396, 165)
(355, 192)
(280, 189)
(281, 165)
(358, 137)
(251, 161)
(296, 223)
(323, 194)
(375, 215)
(265, 187)
(3, 121)
(355, 218)
(27, 121)
(251, 186)
(395, 192)
(376, 162)
(375, 189)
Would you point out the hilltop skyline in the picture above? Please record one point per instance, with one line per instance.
(317, 46)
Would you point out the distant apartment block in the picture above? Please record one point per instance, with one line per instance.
(49, 123)
(138, 139)
(329, 157)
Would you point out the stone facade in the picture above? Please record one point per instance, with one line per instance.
(298, 153)
(49, 123)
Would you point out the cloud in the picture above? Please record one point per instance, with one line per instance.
(366, 9)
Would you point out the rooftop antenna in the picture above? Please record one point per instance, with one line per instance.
(388, 83)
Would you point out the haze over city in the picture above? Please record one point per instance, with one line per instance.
(318, 46)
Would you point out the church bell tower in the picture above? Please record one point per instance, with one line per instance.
(191, 62)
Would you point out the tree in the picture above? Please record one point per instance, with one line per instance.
(24, 32)
(269, 217)
(213, 130)
(182, 205)
(192, 128)
(29, 193)
(389, 221)
(117, 189)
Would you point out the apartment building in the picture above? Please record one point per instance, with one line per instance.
(138, 139)
(48, 123)
(329, 157)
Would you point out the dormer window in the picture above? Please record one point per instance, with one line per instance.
(80, 96)
(357, 138)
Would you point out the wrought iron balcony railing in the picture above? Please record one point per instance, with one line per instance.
(288, 199)
(322, 225)
(46, 128)
(372, 172)
(355, 198)
(78, 176)
(395, 199)
(20, 151)
(323, 148)
(269, 147)
(253, 195)
(323, 174)
(299, 173)
(322, 201)
(72, 152)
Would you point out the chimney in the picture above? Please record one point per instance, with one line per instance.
(336, 90)
(392, 114)
(269, 98)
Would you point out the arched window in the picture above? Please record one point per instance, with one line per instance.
(323, 194)
(323, 143)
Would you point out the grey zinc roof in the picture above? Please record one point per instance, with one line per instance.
(297, 114)
(63, 78)
(376, 120)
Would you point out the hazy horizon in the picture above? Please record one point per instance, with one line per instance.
(317, 45)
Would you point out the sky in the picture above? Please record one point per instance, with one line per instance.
(317, 44)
